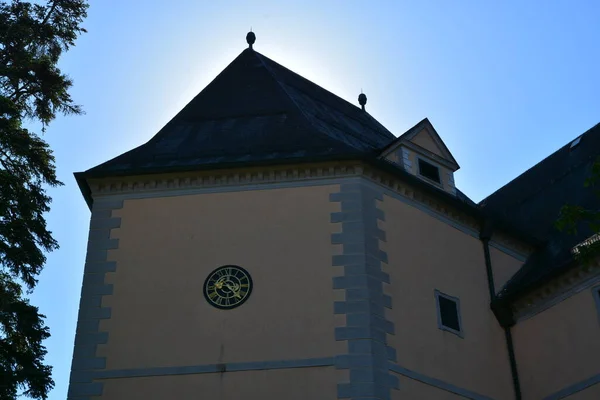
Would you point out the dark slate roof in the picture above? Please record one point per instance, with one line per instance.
(532, 202)
(255, 110)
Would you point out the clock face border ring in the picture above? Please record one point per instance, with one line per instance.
(228, 307)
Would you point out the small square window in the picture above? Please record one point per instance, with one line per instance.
(448, 308)
(429, 171)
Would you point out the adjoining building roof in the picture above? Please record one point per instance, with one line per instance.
(254, 110)
(532, 203)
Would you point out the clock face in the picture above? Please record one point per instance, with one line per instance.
(227, 287)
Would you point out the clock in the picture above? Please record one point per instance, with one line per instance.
(227, 287)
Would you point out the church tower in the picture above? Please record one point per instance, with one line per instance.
(274, 241)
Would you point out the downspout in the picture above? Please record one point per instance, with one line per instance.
(513, 362)
(506, 323)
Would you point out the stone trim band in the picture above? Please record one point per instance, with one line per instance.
(577, 387)
(340, 362)
(215, 368)
(437, 383)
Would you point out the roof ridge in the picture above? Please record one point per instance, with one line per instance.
(382, 129)
(308, 81)
(174, 119)
(297, 107)
(345, 115)
(287, 95)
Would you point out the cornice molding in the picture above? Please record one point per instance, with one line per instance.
(561, 288)
(217, 178)
(421, 197)
(150, 185)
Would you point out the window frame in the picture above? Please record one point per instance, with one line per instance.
(438, 183)
(460, 333)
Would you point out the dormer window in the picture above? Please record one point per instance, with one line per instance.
(421, 152)
(429, 171)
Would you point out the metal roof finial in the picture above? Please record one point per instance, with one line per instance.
(250, 38)
(362, 99)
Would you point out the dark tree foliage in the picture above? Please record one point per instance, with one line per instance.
(573, 215)
(33, 35)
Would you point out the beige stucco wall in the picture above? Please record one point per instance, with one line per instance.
(558, 347)
(290, 384)
(425, 140)
(426, 254)
(167, 247)
(415, 390)
(504, 266)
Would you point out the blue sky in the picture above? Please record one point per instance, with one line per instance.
(504, 83)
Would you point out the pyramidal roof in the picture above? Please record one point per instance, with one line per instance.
(254, 111)
(257, 112)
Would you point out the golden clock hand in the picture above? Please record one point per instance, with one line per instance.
(220, 282)
(236, 292)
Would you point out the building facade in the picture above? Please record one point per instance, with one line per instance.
(273, 241)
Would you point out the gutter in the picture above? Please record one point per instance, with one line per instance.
(502, 314)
